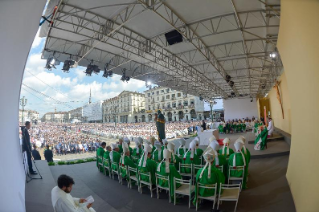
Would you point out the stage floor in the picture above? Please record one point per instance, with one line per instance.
(268, 190)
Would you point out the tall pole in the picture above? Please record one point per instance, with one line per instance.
(23, 103)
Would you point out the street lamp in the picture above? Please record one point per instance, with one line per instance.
(23, 103)
(211, 104)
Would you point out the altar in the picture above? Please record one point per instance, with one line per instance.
(206, 134)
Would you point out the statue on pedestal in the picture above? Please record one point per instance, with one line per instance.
(160, 125)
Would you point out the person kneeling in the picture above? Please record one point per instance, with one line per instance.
(62, 201)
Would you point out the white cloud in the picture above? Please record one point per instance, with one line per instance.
(37, 40)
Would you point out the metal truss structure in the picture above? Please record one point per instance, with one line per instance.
(237, 44)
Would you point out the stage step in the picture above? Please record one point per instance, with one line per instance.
(275, 137)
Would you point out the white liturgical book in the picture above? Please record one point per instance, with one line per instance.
(89, 200)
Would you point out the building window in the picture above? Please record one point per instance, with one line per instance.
(185, 103)
(179, 94)
(174, 104)
(162, 91)
(173, 96)
(167, 96)
(157, 92)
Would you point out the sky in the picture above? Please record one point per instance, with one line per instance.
(47, 90)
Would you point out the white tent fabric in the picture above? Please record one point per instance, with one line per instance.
(19, 23)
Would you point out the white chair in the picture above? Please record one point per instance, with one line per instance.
(229, 193)
(186, 166)
(196, 168)
(107, 166)
(210, 198)
(159, 187)
(237, 169)
(116, 172)
(186, 189)
(100, 162)
(145, 183)
(132, 177)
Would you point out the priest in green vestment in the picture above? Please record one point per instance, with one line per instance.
(238, 159)
(174, 158)
(115, 156)
(157, 154)
(160, 125)
(164, 142)
(120, 143)
(208, 175)
(220, 160)
(190, 157)
(100, 153)
(226, 150)
(261, 140)
(165, 168)
(127, 140)
(147, 165)
(106, 158)
(182, 148)
(244, 150)
(137, 151)
(126, 160)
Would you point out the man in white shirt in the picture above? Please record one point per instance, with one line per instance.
(62, 201)
(270, 127)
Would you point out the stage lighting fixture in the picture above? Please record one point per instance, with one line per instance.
(263, 86)
(125, 78)
(273, 55)
(108, 74)
(89, 70)
(50, 63)
(231, 83)
(96, 69)
(228, 78)
(67, 65)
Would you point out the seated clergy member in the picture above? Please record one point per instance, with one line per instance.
(157, 154)
(62, 200)
(145, 164)
(126, 160)
(126, 140)
(190, 157)
(174, 159)
(198, 152)
(244, 150)
(165, 168)
(120, 142)
(208, 175)
(261, 139)
(182, 148)
(225, 150)
(100, 153)
(165, 142)
(137, 151)
(106, 158)
(238, 159)
(220, 160)
(270, 127)
(115, 156)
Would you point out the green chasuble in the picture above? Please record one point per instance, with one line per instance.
(221, 128)
(223, 151)
(155, 156)
(216, 176)
(136, 156)
(99, 152)
(239, 162)
(131, 151)
(127, 162)
(199, 152)
(181, 151)
(120, 148)
(177, 161)
(150, 167)
(246, 153)
(222, 162)
(115, 159)
(163, 147)
(188, 160)
(172, 173)
(261, 140)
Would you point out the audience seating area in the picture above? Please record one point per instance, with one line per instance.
(224, 192)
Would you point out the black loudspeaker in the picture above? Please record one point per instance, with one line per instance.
(173, 37)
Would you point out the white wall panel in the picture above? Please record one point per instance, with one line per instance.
(240, 108)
